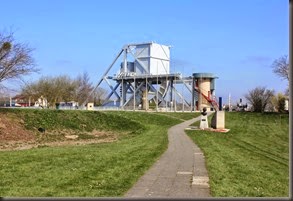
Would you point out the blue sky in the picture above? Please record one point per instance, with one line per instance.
(236, 40)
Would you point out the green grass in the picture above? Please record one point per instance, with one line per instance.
(252, 160)
(72, 119)
(157, 117)
(95, 170)
(74, 122)
(182, 115)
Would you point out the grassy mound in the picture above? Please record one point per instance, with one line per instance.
(72, 119)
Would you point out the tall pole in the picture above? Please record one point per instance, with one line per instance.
(183, 91)
(124, 71)
(166, 105)
(122, 93)
(175, 98)
(290, 83)
(171, 94)
(125, 61)
(200, 93)
(134, 92)
(182, 98)
(146, 92)
(229, 102)
(157, 101)
(192, 94)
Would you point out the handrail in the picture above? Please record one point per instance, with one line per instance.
(213, 102)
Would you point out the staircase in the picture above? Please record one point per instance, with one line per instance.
(211, 101)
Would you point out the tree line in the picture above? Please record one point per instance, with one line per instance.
(16, 61)
(62, 88)
(261, 98)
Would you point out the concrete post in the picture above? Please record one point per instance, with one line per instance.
(218, 120)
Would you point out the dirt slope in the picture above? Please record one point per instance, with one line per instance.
(14, 136)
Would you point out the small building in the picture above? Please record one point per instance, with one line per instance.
(68, 105)
(22, 101)
(90, 106)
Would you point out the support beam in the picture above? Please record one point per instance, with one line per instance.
(181, 96)
(109, 96)
(107, 71)
(160, 96)
(144, 67)
(113, 90)
(132, 96)
(192, 93)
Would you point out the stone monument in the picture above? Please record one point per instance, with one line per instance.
(218, 120)
(204, 119)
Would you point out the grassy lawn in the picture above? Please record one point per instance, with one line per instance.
(95, 170)
(182, 115)
(252, 160)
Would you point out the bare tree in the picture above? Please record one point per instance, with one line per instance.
(15, 58)
(259, 98)
(84, 87)
(86, 91)
(281, 68)
(278, 101)
(54, 89)
(63, 88)
(99, 96)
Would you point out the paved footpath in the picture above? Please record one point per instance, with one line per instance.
(179, 173)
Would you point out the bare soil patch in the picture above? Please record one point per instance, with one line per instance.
(14, 136)
(12, 129)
